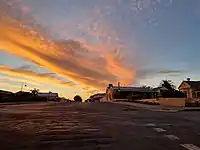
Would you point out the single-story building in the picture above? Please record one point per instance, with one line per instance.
(5, 94)
(49, 95)
(96, 97)
(160, 90)
(123, 92)
(190, 88)
(23, 94)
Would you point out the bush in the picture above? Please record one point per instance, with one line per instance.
(77, 98)
(173, 94)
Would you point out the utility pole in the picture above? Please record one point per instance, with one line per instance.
(118, 86)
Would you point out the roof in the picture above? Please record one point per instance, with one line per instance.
(98, 95)
(133, 89)
(5, 92)
(160, 88)
(192, 84)
(22, 93)
(48, 94)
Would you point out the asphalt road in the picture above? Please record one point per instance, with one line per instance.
(90, 126)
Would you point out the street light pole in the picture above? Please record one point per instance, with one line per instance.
(22, 86)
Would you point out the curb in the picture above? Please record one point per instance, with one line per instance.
(146, 108)
(196, 109)
(156, 109)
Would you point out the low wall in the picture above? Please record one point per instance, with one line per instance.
(180, 102)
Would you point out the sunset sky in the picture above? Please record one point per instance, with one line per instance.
(79, 46)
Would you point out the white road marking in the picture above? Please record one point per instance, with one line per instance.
(166, 124)
(172, 137)
(190, 147)
(159, 129)
(150, 125)
(91, 129)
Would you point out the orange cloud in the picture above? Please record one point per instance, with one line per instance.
(77, 61)
(8, 86)
(4, 84)
(41, 78)
(19, 79)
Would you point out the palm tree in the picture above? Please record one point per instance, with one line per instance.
(35, 91)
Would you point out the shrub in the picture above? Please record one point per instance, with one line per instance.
(77, 98)
(173, 94)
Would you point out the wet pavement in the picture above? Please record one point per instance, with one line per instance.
(90, 126)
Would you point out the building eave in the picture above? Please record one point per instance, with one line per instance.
(183, 83)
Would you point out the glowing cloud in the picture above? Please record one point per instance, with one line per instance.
(19, 79)
(94, 66)
(41, 78)
(67, 58)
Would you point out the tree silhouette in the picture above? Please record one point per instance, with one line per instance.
(147, 87)
(77, 98)
(35, 91)
(168, 84)
(172, 92)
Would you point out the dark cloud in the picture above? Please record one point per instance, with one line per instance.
(24, 67)
(148, 73)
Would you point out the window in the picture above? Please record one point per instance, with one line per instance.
(185, 93)
(198, 94)
(194, 95)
